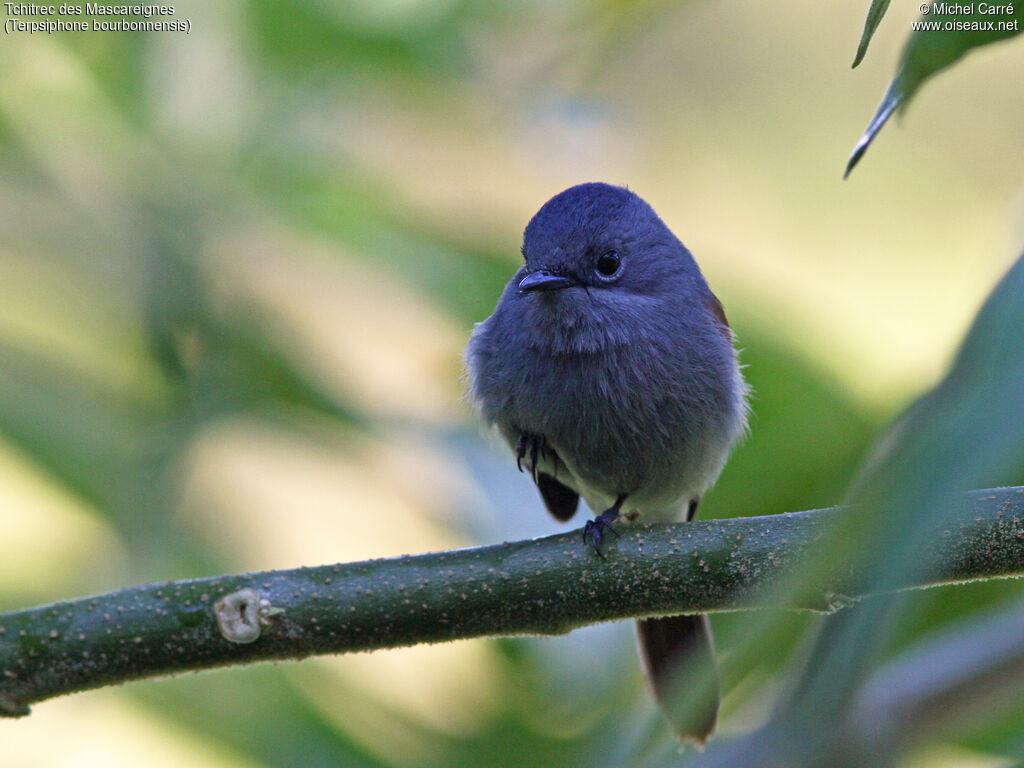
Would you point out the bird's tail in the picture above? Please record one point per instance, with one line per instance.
(678, 655)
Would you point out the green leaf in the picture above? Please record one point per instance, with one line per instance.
(929, 51)
(950, 677)
(875, 14)
(968, 432)
(80, 433)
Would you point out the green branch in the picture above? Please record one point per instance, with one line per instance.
(546, 586)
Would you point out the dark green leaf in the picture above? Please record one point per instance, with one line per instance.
(929, 51)
(966, 433)
(81, 434)
(875, 14)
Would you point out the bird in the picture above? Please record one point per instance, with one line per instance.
(609, 368)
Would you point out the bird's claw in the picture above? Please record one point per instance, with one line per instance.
(535, 445)
(521, 450)
(594, 529)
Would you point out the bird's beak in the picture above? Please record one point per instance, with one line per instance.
(544, 280)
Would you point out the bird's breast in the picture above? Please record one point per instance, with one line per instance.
(624, 422)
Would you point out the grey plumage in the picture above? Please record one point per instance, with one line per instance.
(633, 382)
(608, 365)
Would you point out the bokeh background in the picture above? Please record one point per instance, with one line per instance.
(238, 267)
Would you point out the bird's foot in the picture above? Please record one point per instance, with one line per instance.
(593, 531)
(535, 446)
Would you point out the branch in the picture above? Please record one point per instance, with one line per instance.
(545, 586)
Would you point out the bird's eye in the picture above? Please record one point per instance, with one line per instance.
(608, 263)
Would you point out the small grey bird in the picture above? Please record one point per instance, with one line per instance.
(609, 368)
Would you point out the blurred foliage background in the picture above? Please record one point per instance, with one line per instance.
(237, 269)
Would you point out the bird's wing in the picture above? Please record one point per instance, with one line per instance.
(560, 500)
(719, 312)
(543, 463)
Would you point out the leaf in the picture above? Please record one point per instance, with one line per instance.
(929, 51)
(966, 433)
(954, 676)
(889, 103)
(81, 434)
(875, 14)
